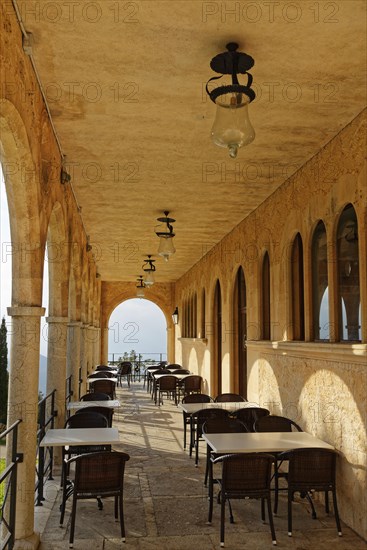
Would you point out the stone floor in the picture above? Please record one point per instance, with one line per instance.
(166, 501)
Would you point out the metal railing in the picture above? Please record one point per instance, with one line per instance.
(114, 358)
(46, 418)
(9, 478)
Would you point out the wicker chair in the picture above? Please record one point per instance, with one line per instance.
(229, 397)
(196, 431)
(191, 384)
(275, 423)
(243, 476)
(180, 371)
(249, 416)
(83, 420)
(168, 385)
(101, 374)
(103, 367)
(97, 475)
(103, 386)
(217, 426)
(173, 366)
(106, 411)
(311, 470)
(95, 396)
(124, 371)
(193, 398)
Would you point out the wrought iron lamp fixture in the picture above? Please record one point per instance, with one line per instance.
(175, 316)
(166, 248)
(140, 287)
(149, 269)
(232, 127)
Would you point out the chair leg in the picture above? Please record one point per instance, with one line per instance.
(197, 448)
(222, 519)
(184, 423)
(72, 524)
(336, 513)
(276, 486)
(210, 515)
(122, 524)
(270, 514)
(116, 509)
(290, 497)
(327, 510)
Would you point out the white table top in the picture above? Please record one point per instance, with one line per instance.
(110, 371)
(89, 380)
(178, 376)
(80, 436)
(108, 403)
(263, 442)
(191, 408)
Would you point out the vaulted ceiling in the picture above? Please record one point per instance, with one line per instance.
(125, 85)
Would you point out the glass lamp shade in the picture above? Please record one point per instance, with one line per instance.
(232, 127)
(140, 292)
(166, 248)
(149, 278)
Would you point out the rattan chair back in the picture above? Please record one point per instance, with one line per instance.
(249, 416)
(229, 397)
(95, 396)
(273, 423)
(103, 386)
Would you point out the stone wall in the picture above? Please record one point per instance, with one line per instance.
(321, 385)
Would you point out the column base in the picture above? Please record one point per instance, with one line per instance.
(30, 543)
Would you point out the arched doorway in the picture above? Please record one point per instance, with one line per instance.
(137, 331)
(240, 334)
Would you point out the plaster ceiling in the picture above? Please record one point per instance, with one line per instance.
(125, 85)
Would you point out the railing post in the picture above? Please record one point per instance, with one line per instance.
(41, 451)
(13, 488)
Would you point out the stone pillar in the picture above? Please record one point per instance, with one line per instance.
(104, 346)
(97, 346)
(23, 404)
(73, 356)
(83, 357)
(56, 370)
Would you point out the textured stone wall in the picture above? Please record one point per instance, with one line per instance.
(321, 385)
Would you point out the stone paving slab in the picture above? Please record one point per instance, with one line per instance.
(166, 502)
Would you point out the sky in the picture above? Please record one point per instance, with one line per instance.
(136, 324)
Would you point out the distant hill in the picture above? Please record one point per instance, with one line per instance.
(42, 375)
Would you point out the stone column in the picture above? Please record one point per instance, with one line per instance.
(56, 370)
(97, 346)
(83, 357)
(104, 346)
(73, 356)
(23, 404)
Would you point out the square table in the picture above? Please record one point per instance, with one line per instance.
(80, 436)
(108, 404)
(262, 442)
(191, 408)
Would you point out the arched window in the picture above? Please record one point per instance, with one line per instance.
(297, 289)
(265, 298)
(320, 291)
(348, 276)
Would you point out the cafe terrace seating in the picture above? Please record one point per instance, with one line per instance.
(311, 470)
(82, 420)
(124, 372)
(196, 431)
(97, 475)
(191, 384)
(220, 425)
(274, 423)
(193, 398)
(243, 476)
(166, 385)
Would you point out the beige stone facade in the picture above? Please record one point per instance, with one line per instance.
(322, 385)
